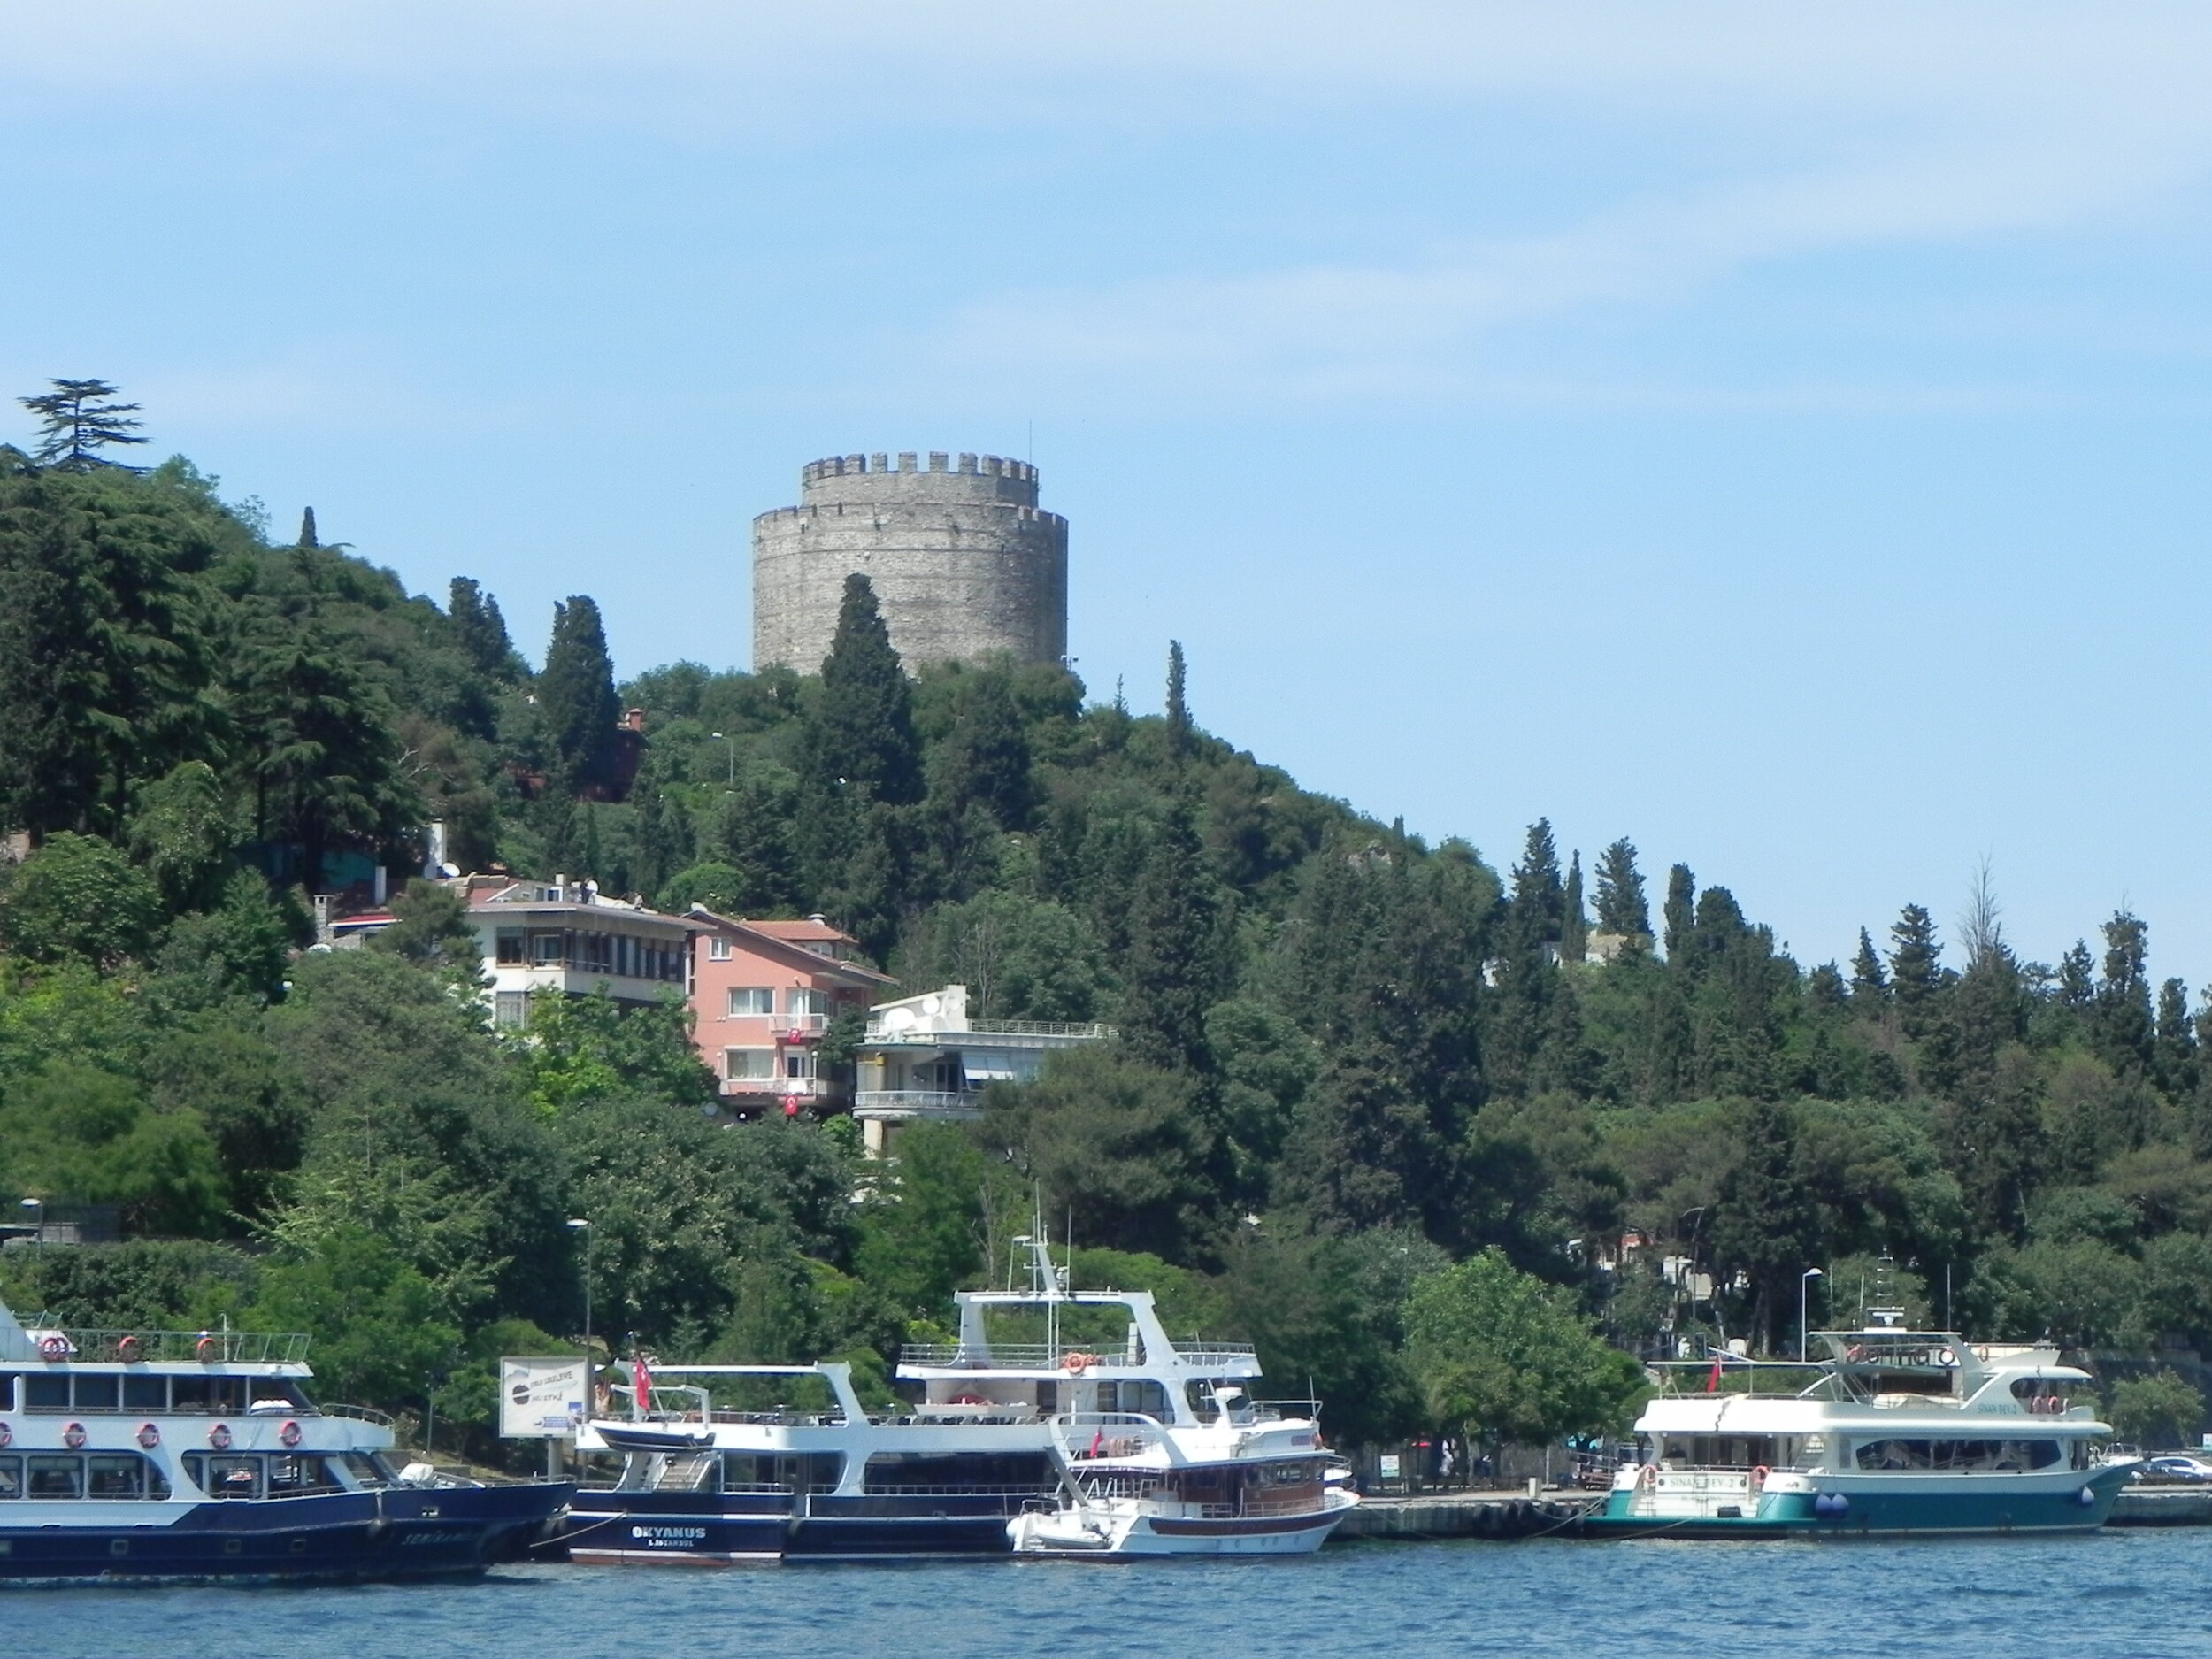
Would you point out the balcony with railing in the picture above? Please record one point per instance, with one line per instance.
(953, 1104)
(809, 1088)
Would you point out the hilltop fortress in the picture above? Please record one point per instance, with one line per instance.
(964, 563)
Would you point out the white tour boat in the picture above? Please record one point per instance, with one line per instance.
(1012, 1428)
(1895, 1430)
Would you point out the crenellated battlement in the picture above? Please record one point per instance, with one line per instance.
(910, 461)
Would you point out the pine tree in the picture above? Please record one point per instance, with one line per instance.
(1765, 1224)
(1869, 986)
(1681, 910)
(76, 419)
(1622, 907)
(1916, 969)
(576, 698)
(2078, 978)
(1537, 915)
(1171, 970)
(1178, 722)
(1574, 929)
(984, 760)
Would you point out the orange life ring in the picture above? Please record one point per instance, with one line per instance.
(289, 1433)
(219, 1437)
(53, 1348)
(73, 1437)
(1078, 1362)
(130, 1350)
(207, 1351)
(1647, 1477)
(149, 1436)
(1759, 1477)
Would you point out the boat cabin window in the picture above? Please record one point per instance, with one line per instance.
(7, 1391)
(224, 1474)
(123, 1475)
(368, 1469)
(294, 1475)
(216, 1396)
(765, 1472)
(46, 1391)
(971, 1471)
(1143, 1397)
(145, 1393)
(1727, 1451)
(55, 1477)
(10, 1476)
(98, 1390)
(1996, 1455)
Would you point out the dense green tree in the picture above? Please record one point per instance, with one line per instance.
(1172, 973)
(1021, 958)
(72, 1132)
(79, 899)
(78, 419)
(1765, 1224)
(481, 633)
(1179, 720)
(1621, 905)
(1574, 927)
(860, 738)
(1915, 968)
(2176, 1070)
(2123, 1029)
(106, 645)
(1501, 1354)
(576, 699)
(1870, 985)
(1680, 911)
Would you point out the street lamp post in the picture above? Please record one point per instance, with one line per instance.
(581, 1225)
(733, 743)
(38, 1222)
(1804, 1280)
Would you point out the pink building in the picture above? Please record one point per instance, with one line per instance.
(762, 993)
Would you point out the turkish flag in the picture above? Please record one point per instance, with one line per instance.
(642, 1383)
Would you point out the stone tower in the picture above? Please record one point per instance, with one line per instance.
(963, 562)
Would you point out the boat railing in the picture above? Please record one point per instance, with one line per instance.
(56, 1343)
(359, 1414)
(1087, 1435)
(1734, 1374)
(1204, 1354)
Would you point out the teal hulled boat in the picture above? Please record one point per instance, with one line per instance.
(1894, 1432)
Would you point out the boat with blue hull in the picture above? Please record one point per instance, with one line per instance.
(1032, 1434)
(161, 1456)
(1894, 1432)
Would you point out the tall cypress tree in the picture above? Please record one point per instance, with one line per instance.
(1172, 975)
(1681, 910)
(1178, 721)
(2177, 1042)
(1574, 927)
(2125, 1034)
(576, 698)
(1538, 912)
(307, 528)
(861, 738)
(1622, 907)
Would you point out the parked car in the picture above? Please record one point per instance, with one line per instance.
(2176, 1471)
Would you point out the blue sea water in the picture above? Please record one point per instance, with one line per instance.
(2142, 1595)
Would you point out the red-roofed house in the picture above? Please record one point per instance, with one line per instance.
(762, 993)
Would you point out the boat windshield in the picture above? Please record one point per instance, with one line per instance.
(1872, 1362)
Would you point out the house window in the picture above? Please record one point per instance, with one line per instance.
(738, 1064)
(799, 1063)
(752, 999)
(548, 950)
(511, 947)
(718, 948)
(511, 1007)
(806, 1002)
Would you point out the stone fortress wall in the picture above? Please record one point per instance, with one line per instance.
(964, 563)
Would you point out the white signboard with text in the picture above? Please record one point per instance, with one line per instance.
(541, 1399)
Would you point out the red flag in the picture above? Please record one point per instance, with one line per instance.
(641, 1386)
(1712, 1383)
(1098, 1441)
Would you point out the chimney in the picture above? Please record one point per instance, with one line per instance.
(634, 719)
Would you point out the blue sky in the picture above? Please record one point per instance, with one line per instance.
(1779, 442)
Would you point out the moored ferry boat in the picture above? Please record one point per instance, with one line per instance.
(165, 1456)
(1894, 1432)
(997, 1436)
